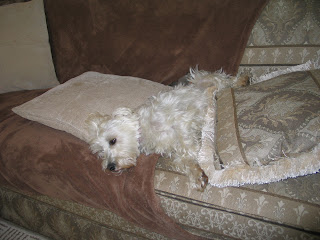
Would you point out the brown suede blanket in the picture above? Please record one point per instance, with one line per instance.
(38, 159)
(156, 40)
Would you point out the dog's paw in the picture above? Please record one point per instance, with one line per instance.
(243, 81)
(201, 182)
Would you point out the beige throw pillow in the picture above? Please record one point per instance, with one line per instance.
(67, 106)
(25, 56)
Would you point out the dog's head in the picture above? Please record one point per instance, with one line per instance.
(115, 138)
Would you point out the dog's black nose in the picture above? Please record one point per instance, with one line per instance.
(111, 166)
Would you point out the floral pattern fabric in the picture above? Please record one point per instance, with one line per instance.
(279, 117)
(278, 42)
(283, 210)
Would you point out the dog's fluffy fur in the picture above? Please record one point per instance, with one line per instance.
(169, 124)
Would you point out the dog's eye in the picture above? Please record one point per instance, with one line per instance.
(113, 141)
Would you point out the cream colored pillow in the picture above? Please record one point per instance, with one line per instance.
(67, 106)
(25, 57)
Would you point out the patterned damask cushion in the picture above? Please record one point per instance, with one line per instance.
(265, 133)
(279, 117)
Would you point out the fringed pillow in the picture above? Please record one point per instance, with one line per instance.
(266, 132)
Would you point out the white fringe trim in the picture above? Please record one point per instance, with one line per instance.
(310, 65)
(306, 163)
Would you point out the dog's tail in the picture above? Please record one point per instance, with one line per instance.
(219, 79)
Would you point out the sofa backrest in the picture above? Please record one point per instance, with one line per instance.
(287, 33)
(156, 40)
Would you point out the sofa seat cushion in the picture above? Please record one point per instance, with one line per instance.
(289, 208)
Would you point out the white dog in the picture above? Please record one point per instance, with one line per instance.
(169, 124)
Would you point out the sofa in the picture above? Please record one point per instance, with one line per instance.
(61, 60)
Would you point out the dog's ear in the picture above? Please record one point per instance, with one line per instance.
(119, 112)
(93, 122)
